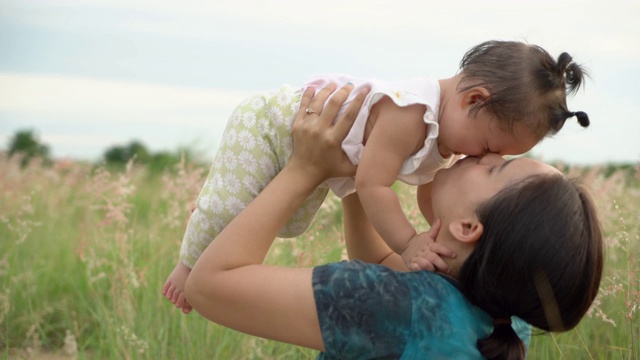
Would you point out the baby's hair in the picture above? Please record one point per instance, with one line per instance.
(525, 84)
(540, 258)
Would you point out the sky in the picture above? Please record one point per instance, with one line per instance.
(88, 75)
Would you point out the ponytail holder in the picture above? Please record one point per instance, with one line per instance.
(502, 321)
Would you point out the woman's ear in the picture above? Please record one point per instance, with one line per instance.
(475, 95)
(466, 230)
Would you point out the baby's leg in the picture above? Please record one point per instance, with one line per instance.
(256, 145)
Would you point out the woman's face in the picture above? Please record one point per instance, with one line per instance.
(458, 190)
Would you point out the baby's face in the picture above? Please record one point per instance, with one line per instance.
(479, 135)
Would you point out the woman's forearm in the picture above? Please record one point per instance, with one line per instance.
(247, 239)
(229, 284)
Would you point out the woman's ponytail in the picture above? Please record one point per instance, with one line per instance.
(503, 343)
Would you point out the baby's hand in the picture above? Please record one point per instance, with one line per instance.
(423, 253)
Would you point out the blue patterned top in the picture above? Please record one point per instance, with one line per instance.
(369, 311)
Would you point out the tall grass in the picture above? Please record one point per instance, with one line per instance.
(84, 253)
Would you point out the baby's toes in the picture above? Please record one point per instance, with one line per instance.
(186, 308)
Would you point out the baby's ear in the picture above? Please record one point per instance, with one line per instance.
(475, 95)
(466, 230)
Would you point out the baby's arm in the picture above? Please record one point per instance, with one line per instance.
(398, 132)
(362, 240)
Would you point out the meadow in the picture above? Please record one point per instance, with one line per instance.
(84, 252)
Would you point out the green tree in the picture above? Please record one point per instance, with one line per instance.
(120, 155)
(27, 143)
(156, 162)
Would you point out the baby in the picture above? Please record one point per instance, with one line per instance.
(505, 99)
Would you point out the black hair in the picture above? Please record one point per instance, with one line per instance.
(539, 258)
(525, 84)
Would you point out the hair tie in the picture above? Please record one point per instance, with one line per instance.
(502, 321)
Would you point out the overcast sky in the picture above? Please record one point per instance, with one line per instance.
(87, 75)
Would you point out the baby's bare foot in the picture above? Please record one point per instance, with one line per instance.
(173, 288)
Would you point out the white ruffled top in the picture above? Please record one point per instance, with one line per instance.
(420, 167)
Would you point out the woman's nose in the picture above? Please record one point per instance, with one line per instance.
(490, 158)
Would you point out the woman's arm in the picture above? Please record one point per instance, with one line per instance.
(229, 284)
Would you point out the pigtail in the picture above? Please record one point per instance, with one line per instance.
(583, 118)
(503, 343)
(572, 73)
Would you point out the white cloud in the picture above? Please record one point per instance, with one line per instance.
(35, 93)
(599, 27)
(81, 117)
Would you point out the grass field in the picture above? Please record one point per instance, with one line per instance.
(84, 253)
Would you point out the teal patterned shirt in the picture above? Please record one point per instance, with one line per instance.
(369, 311)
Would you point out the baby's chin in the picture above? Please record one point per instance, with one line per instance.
(444, 151)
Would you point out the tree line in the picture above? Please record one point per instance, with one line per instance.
(28, 145)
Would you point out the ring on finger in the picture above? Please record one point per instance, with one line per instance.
(310, 111)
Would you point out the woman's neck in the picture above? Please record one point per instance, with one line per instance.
(462, 249)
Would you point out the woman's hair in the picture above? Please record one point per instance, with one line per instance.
(539, 258)
(525, 84)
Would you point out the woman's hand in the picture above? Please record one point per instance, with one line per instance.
(317, 139)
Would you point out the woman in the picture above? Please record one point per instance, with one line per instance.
(526, 239)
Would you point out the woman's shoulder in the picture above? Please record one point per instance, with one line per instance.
(423, 283)
(442, 314)
(417, 312)
(358, 274)
(438, 296)
(426, 310)
(420, 289)
(364, 310)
